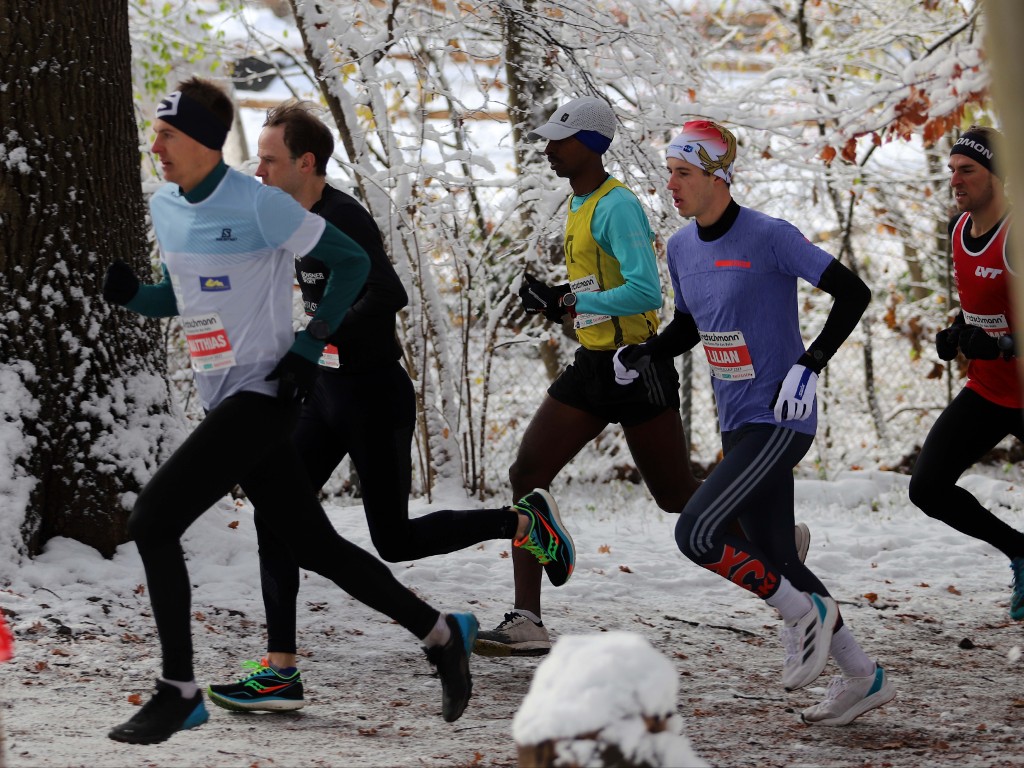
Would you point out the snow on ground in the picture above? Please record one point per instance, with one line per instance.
(929, 603)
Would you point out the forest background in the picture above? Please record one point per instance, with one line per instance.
(844, 112)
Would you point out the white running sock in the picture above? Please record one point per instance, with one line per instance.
(188, 689)
(790, 602)
(440, 634)
(849, 655)
(528, 614)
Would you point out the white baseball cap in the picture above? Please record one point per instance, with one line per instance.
(588, 113)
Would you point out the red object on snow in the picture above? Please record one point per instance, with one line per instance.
(6, 641)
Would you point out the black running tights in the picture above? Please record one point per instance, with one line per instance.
(964, 432)
(245, 440)
(370, 417)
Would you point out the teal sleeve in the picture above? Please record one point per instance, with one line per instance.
(349, 265)
(621, 228)
(155, 300)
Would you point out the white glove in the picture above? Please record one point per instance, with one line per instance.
(623, 374)
(795, 398)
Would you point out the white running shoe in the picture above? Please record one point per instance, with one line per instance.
(517, 635)
(807, 643)
(848, 698)
(802, 534)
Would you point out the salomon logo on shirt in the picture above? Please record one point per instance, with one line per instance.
(222, 283)
(225, 235)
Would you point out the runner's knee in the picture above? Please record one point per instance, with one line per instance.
(394, 550)
(684, 530)
(671, 502)
(148, 521)
(525, 478)
(926, 492)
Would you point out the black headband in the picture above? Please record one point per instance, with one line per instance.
(974, 145)
(193, 119)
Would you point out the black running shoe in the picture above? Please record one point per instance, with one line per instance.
(166, 713)
(452, 662)
(262, 690)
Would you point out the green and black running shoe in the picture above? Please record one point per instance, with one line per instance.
(547, 539)
(263, 690)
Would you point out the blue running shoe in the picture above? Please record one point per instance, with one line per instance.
(1017, 598)
(452, 663)
(263, 690)
(166, 713)
(547, 539)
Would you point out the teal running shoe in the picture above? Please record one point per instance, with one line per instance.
(1017, 598)
(452, 663)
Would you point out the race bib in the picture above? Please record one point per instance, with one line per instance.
(330, 358)
(586, 284)
(208, 343)
(993, 325)
(728, 355)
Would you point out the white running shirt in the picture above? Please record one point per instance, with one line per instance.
(231, 261)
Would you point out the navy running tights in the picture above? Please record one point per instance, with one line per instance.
(752, 485)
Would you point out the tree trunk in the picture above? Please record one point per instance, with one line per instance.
(80, 381)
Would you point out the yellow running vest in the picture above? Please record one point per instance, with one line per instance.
(591, 269)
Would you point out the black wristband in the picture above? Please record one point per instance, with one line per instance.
(813, 359)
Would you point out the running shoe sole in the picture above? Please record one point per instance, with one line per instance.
(495, 649)
(259, 705)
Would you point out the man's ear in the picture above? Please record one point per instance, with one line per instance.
(307, 162)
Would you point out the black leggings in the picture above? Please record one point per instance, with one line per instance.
(752, 485)
(245, 441)
(964, 432)
(370, 417)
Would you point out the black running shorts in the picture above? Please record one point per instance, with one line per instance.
(588, 383)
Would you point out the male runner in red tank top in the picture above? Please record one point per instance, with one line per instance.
(990, 405)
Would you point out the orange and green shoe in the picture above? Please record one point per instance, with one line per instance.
(264, 689)
(547, 539)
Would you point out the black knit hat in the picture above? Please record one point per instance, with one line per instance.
(978, 145)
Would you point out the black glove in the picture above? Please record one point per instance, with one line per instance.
(539, 297)
(978, 345)
(947, 342)
(120, 285)
(297, 376)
